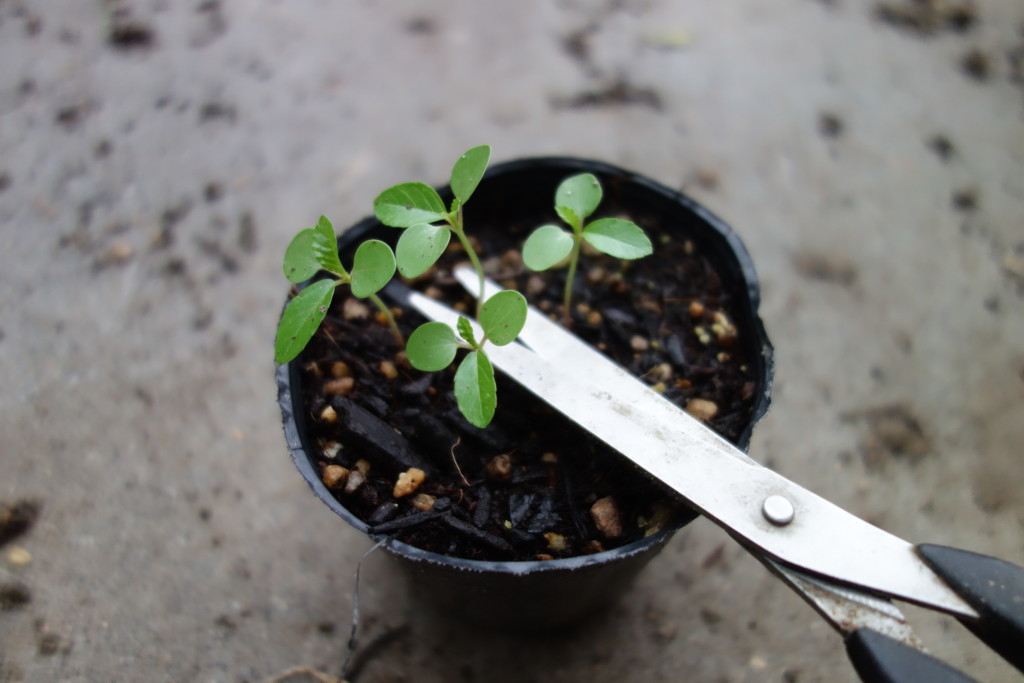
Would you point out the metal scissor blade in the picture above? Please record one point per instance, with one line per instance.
(688, 457)
(555, 344)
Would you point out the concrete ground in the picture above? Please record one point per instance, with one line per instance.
(157, 156)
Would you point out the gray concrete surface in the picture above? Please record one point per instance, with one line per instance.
(148, 192)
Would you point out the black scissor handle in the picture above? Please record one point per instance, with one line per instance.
(880, 659)
(993, 587)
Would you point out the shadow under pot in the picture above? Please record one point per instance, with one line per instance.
(531, 523)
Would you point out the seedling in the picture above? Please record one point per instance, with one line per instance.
(433, 345)
(316, 249)
(576, 199)
(419, 210)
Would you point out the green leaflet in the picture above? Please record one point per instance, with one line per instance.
(475, 390)
(300, 320)
(373, 267)
(300, 261)
(431, 347)
(407, 204)
(420, 246)
(547, 246)
(580, 195)
(502, 316)
(618, 238)
(468, 171)
(325, 246)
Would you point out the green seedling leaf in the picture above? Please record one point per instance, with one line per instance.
(503, 316)
(577, 197)
(466, 331)
(546, 246)
(300, 320)
(420, 246)
(407, 204)
(619, 238)
(300, 261)
(431, 347)
(325, 246)
(468, 171)
(475, 390)
(372, 267)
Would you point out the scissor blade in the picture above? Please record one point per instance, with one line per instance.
(558, 346)
(729, 489)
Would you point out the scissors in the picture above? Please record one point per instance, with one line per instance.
(847, 569)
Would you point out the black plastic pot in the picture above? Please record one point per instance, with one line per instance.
(535, 595)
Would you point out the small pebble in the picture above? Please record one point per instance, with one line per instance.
(339, 387)
(703, 336)
(696, 309)
(362, 465)
(340, 369)
(433, 292)
(594, 318)
(353, 309)
(388, 369)
(639, 344)
(408, 482)
(335, 476)
(329, 415)
(423, 502)
(662, 372)
(499, 468)
(535, 285)
(331, 450)
(512, 259)
(605, 513)
(18, 556)
(723, 328)
(120, 252)
(354, 481)
(549, 458)
(556, 542)
(702, 409)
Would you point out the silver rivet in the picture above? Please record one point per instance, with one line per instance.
(778, 510)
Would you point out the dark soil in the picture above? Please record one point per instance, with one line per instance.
(524, 488)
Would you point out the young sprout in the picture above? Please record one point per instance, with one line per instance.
(433, 345)
(315, 249)
(428, 225)
(577, 198)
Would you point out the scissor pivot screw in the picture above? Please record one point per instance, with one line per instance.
(778, 510)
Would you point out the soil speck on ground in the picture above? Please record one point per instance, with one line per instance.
(965, 199)
(822, 267)
(830, 125)
(942, 146)
(14, 595)
(127, 35)
(17, 518)
(976, 64)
